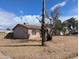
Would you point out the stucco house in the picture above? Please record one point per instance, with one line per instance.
(21, 31)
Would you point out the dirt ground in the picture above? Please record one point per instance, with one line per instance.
(61, 47)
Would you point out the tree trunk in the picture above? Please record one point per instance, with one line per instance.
(49, 36)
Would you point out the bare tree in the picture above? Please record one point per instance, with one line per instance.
(57, 25)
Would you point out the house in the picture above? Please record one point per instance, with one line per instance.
(21, 31)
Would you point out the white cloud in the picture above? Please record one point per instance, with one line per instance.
(29, 19)
(58, 5)
(10, 19)
(6, 18)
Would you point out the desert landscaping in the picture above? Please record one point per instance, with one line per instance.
(61, 47)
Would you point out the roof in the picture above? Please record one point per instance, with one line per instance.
(28, 26)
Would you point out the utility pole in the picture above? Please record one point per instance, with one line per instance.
(43, 22)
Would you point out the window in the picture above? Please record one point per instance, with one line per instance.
(34, 32)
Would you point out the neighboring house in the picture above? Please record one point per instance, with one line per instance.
(21, 31)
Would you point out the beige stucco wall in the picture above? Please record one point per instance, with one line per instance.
(32, 36)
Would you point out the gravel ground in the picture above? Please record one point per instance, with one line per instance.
(61, 47)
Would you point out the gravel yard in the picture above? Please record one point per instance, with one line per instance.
(61, 47)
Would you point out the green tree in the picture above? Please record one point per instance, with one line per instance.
(71, 24)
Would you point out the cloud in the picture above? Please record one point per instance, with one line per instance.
(29, 19)
(58, 5)
(7, 19)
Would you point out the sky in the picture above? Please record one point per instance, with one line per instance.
(13, 12)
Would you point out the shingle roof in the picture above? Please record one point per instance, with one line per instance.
(28, 26)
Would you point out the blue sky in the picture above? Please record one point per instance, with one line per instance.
(33, 7)
(12, 11)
